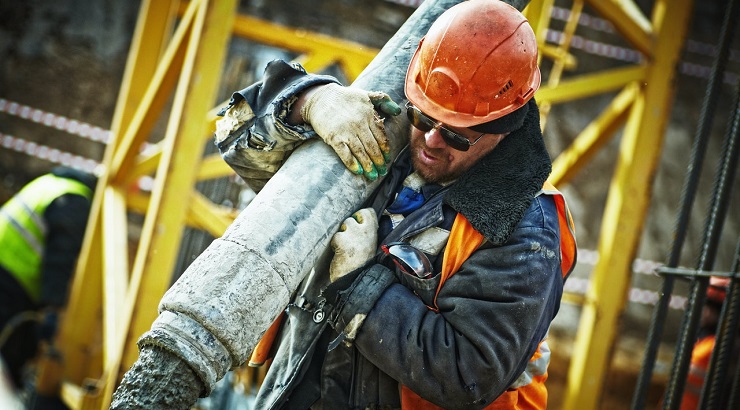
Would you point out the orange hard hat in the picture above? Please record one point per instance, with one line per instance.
(477, 63)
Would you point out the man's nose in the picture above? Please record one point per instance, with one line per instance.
(434, 138)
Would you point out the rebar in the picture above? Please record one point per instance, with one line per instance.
(712, 392)
(688, 195)
(708, 252)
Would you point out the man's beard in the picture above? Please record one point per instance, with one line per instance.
(440, 174)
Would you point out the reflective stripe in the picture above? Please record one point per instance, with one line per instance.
(37, 219)
(27, 236)
(698, 371)
(396, 219)
(537, 366)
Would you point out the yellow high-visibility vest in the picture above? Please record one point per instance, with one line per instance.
(23, 229)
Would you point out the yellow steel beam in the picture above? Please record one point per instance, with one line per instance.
(204, 215)
(587, 85)
(626, 208)
(115, 282)
(538, 14)
(147, 112)
(318, 50)
(146, 164)
(182, 147)
(573, 298)
(86, 396)
(629, 20)
(156, 96)
(561, 54)
(102, 279)
(213, 166)
(207, 217)
(115, 256)
(137, 201)
(593, 137)
(71, 395)
(80, 347)
(324, 48)
(551, 52)
(147, 46)
(317, 60)
(115, 323)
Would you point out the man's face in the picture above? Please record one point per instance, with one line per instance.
(437, 162)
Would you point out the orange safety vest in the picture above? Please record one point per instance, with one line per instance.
(462, 242)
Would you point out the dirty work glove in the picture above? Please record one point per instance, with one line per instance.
(346, 119)
(354, 244)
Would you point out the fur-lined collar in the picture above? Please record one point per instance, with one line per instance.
(496, 192)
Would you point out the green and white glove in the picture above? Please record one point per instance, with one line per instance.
(354, 244)
(347, 120)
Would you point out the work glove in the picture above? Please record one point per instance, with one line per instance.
(354, 244)
(347, 120)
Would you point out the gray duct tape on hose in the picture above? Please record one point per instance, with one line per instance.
(243, 280)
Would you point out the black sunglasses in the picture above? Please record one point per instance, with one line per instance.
(409, 259)
(425, 123)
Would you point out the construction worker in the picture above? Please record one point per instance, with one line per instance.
(443, 285)
(41, 232)
(706, 340)
(454, 305)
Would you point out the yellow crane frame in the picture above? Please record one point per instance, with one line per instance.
(175, 63)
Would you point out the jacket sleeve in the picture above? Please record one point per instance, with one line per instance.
(493, 313)
(66, 217)
(257, 145)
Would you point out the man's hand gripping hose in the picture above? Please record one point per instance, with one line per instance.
(347, 120)
(354, 244)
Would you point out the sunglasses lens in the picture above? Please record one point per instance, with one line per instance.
(454, 140)
(418, 119)
(409, 260)
(423, 123)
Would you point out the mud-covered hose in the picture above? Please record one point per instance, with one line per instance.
(158, 380)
